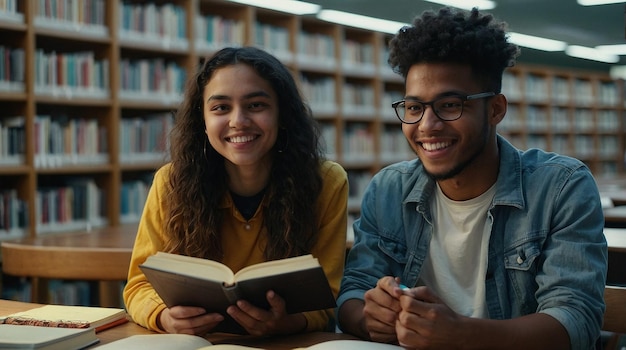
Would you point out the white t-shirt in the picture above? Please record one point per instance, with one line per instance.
(456, 264)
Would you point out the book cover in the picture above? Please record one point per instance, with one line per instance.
(67, 316)
(182, 280)
(45, 338)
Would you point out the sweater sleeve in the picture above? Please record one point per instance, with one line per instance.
(142, 302)
(330, 249)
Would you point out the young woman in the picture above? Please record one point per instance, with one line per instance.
(246, 183)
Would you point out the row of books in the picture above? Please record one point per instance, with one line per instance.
(168, 21)
(133, 198)
(12, 67)
(79, 74)
(559, 119)
(60, 292)
(579, 146)
(212, 32)
(79, 203)
(12, 140)
(165, 21)
(145, 138)
(8, 6)
(356, 138)
(154, 79)
(353, 51)
(316, 45)
(558, 89)
(89, 12)
(13, 213)
(274, 39)
(63, 141)
(358, 94)
(358, 143)
(320, 91)
(358, 183)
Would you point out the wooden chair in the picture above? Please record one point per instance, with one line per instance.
(100, 255)
(615, 315)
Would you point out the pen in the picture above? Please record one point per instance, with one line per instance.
(403, 287)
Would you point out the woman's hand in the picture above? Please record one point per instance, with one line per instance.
(257, 321)
(188, 320)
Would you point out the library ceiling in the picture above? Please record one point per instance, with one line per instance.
(563, 20)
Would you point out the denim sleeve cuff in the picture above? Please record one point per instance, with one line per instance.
(352, 294)
(581, 338)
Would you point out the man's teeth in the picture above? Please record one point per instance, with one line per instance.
(433, 146)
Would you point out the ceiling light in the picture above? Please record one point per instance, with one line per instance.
(290, 6)
(590, 54)
(359, 21)
(618, 72)
(599, 2)
(535, 42)
(613, 49)
(467, 5)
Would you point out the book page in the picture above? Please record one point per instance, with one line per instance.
(191, 266)
(276, 267)
(158, 342)
(228, 347)
(351, 345)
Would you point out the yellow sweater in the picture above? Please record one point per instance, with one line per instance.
(242, 246)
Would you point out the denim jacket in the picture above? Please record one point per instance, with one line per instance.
(547, 251)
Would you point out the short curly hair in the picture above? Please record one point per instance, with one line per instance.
(455, 36)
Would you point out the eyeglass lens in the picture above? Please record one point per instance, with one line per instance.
(446, 108)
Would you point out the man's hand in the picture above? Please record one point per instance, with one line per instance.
(425, 322)
(382, 306)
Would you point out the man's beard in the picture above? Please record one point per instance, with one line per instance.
(456, 170)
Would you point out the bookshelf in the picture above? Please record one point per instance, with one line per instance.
(88, 95)
(579, 114)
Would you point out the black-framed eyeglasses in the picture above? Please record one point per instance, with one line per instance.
(446, 108)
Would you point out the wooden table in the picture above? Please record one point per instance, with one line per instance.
(99, 255)
(128, 329)
(615, 217)
(616, 240)
(617, 194)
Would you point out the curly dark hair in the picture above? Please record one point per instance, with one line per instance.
(455, 36)
(199, 180)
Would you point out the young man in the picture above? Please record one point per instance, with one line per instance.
(499, 248)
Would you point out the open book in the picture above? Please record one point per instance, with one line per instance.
(189, 281)
(67, 316)
(192, 342)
